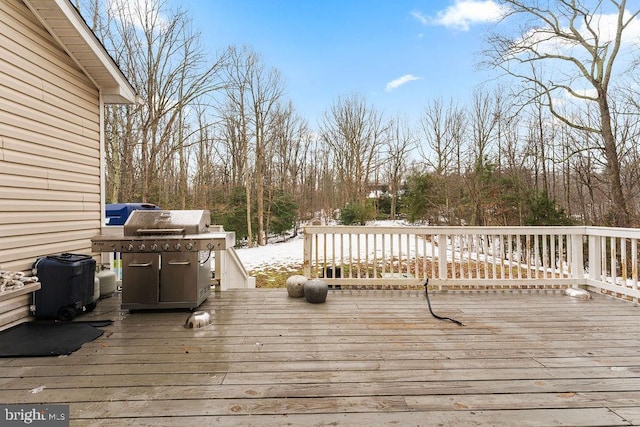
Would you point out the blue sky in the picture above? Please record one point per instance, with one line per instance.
(399, 54)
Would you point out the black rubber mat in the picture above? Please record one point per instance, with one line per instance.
(43, 338)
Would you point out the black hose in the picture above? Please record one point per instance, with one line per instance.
(426, 292)
(207, 259)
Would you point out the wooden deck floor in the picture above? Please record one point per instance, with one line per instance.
(361, 358)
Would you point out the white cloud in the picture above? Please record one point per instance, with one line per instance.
(606, 25)
(603, 24)
(463, 13)
(393, 84)
(142, 14)
(592, 93)
(420, 17)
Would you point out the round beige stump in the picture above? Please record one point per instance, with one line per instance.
(295, 286)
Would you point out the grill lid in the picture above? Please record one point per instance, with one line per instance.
(163, 222)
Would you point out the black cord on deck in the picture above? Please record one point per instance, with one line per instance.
(426, 292)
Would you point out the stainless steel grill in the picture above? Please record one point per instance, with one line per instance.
(166, 257)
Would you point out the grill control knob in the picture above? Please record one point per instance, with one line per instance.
(142, 247)
(153, 247)
(129, 247)
(189, 246)
(165, 246)
(177, 246)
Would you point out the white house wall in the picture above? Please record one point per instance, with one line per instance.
(49, 145)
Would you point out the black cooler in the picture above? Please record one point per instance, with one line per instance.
(67, 286)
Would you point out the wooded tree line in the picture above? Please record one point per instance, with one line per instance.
(557, 143)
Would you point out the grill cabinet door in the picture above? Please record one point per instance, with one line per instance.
(179, 272)
(140, 278)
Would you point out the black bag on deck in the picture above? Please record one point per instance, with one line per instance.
(67, 286)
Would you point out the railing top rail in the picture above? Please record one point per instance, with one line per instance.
(426, 229)
(631, 233)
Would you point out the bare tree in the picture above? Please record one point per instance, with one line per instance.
(627, 130)
(399, 145)
(290, 134)
(163, 59)
(237, 118)
(355, 133)
(540, 134)
(441, 129)
(230, 133)
(483, 119)
(565, 51)
(252, 95)
(207, 153)
(266, 89)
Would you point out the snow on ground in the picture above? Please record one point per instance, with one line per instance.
(285, 253)
(273, 254)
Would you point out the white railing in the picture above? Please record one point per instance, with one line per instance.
(233, 274)
(603, 259)
(612, 262)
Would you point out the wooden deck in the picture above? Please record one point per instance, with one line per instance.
(361, 358)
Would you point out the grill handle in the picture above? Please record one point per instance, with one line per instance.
(179, 262)
(160, 231)
(142, 264)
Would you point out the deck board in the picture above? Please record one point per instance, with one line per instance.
(362, 358)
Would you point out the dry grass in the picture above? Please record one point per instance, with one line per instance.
(276, 276)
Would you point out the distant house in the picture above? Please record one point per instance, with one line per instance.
(55, 78)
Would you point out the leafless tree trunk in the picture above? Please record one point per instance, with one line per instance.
(355, 133)
(399, 145)
(483, 119)
(563, 50)
(162, 58)
(537, 143)
(441, 128)
(291, 140)
(252, 96)
(233, 143)
(237, 117)
(266, 89)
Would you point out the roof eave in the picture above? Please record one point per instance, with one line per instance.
(68, 27)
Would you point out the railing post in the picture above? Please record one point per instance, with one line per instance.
(577, 257)
(222, 270)
(595, 257)
(442, 256)
(306, 258)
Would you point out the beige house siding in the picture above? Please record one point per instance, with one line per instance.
(50, 199)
